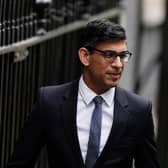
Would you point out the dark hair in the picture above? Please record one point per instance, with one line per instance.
(102, 30)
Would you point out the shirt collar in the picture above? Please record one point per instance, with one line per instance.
(87, 94)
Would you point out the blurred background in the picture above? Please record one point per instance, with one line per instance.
(39, 40)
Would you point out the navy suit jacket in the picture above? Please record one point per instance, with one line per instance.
(53, 123)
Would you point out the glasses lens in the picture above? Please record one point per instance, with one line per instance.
(111, 55)
(128, 56)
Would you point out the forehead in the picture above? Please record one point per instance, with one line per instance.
(120, 45)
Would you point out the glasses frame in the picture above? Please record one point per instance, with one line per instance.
(111, 55)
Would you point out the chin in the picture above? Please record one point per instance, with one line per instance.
(109, 86)
(113, 83)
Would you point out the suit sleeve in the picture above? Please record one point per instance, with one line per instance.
(30, 141)
(146, 151)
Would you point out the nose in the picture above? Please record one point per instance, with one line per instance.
(117, 62)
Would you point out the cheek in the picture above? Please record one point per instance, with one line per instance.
(98, 67)
(99, 70)
(100, 64)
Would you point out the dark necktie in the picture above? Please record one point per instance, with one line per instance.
(94, 135)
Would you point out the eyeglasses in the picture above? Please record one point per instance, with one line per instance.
(111, 55)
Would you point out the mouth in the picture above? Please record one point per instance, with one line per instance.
(114, 75)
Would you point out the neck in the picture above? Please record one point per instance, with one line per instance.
(94, 86)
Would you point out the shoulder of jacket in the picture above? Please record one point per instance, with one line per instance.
(133, 97)
(53, 90)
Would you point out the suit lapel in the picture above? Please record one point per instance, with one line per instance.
(119, 123)
(121, 114)
(69, 108)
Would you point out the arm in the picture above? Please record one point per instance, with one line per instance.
(30, 141)
(146, 152)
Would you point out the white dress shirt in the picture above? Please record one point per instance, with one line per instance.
(85, 107)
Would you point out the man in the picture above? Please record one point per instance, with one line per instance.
(79, 133)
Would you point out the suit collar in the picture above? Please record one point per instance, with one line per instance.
(71, 89)
(121, 97)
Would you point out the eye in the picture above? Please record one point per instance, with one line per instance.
(122, 55)
(109, 53)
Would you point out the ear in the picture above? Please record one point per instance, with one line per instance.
(84, 56)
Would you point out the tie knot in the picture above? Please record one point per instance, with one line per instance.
(98, 100)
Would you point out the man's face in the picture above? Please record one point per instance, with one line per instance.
(100, 74)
